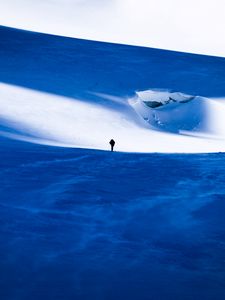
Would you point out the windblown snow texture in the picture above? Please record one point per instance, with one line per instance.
(84, 224)
(89, 224)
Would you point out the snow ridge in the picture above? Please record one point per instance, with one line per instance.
(184, 124)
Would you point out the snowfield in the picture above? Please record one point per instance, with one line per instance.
(194, 126)
(87, 224)
(76, 93)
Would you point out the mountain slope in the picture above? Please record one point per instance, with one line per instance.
(78, 93)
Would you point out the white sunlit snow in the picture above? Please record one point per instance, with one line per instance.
(196, 125)
(43, 75)
(190, 26)
(145, 221)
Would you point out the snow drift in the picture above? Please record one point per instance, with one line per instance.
(197, 125)
(76, 93)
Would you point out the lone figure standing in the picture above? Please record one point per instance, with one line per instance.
(112, 143)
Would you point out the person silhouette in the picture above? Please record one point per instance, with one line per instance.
(112, 143)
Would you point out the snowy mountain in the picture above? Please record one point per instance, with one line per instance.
(78, 93)
(81, 224)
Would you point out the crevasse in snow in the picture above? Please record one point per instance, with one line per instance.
(180, 113)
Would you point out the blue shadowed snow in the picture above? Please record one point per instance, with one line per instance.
(76, 68)
(83, 224)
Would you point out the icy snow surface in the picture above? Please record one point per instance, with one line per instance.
(69, 92)
(81, 224)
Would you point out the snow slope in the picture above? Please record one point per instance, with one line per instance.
(188, 25)
(38, 117)
(86, 224)
(76, 93)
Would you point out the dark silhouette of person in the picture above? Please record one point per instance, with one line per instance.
(112, 143)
